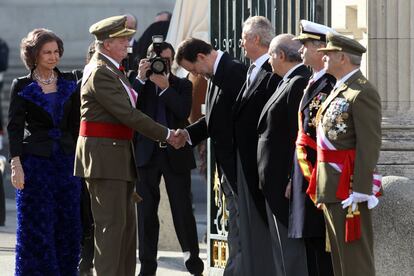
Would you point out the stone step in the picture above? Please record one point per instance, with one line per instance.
(398, 137)
(397, 170)
(403, 157)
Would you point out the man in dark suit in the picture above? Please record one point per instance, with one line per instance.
(166, 99)
(226, 78)
(259, 86)
(156, 28)
(104, 152)
(277, 129)
(305, 220)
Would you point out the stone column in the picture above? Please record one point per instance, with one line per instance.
(390, 69)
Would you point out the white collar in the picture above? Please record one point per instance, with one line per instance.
(318, 75)
(216, 62)
(111, 60)
(261, 60)
(345, 78)
(288, 73)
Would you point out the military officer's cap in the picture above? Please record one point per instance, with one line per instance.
(111, 27)
(313, 31)
(337, 42)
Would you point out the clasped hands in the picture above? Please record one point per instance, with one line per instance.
(178, 138)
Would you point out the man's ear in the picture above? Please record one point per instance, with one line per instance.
(343, 57)
(256, 39)
(201, 56)
(106, 44)
(281, 55)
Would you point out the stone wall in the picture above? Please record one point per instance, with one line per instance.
(393, 221)
(385, 27)
(71, 19)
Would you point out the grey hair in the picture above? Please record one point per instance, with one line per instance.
(100, 43)
(354, 59)
(260, 26)
(284, 43)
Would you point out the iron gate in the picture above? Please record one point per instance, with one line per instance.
(226, 18)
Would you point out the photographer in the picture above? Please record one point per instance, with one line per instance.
(167, 99)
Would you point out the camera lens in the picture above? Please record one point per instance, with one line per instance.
(158, 66)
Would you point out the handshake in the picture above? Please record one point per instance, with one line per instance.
(178, 138)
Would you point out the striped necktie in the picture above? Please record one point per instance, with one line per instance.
(249, 73)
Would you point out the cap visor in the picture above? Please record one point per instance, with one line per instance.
(124, 32)
(329, 49)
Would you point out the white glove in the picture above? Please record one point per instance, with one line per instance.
(355, 198)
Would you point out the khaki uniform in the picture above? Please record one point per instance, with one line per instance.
(108, 166)
(350, 119)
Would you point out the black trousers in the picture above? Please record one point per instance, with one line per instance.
(87, 245)
(178, 186)
(319, 261)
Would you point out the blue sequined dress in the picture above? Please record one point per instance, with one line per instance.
(48, 208)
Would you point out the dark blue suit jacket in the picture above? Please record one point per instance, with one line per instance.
(177, 100)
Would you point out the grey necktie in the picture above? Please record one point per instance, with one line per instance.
(249, 72)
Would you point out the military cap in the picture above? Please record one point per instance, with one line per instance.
(111, 27)
(337, 42)
(313, 31)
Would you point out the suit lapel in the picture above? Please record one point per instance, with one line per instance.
(310, 93)
(212, 94)
(216, 81)
(274, 98)
(244, 96)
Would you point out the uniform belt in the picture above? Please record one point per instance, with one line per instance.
(105, 130)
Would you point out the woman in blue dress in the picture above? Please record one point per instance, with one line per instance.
(43, 128)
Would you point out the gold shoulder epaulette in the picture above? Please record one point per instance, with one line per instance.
(100, 63)
(362, 81)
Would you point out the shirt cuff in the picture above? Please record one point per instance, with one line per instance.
(159, 94)
(188, 138)
(168, 134)
(141, 81)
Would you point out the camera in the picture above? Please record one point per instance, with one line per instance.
(158, 64)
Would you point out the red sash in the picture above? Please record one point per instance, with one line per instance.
(346, 158)
(302, 141)
(105, 130)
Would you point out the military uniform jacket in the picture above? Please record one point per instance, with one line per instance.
(104, 99)
(305, 220)
(350, 119)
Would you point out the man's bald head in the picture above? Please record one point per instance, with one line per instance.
(131, 21)
(285, 43)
